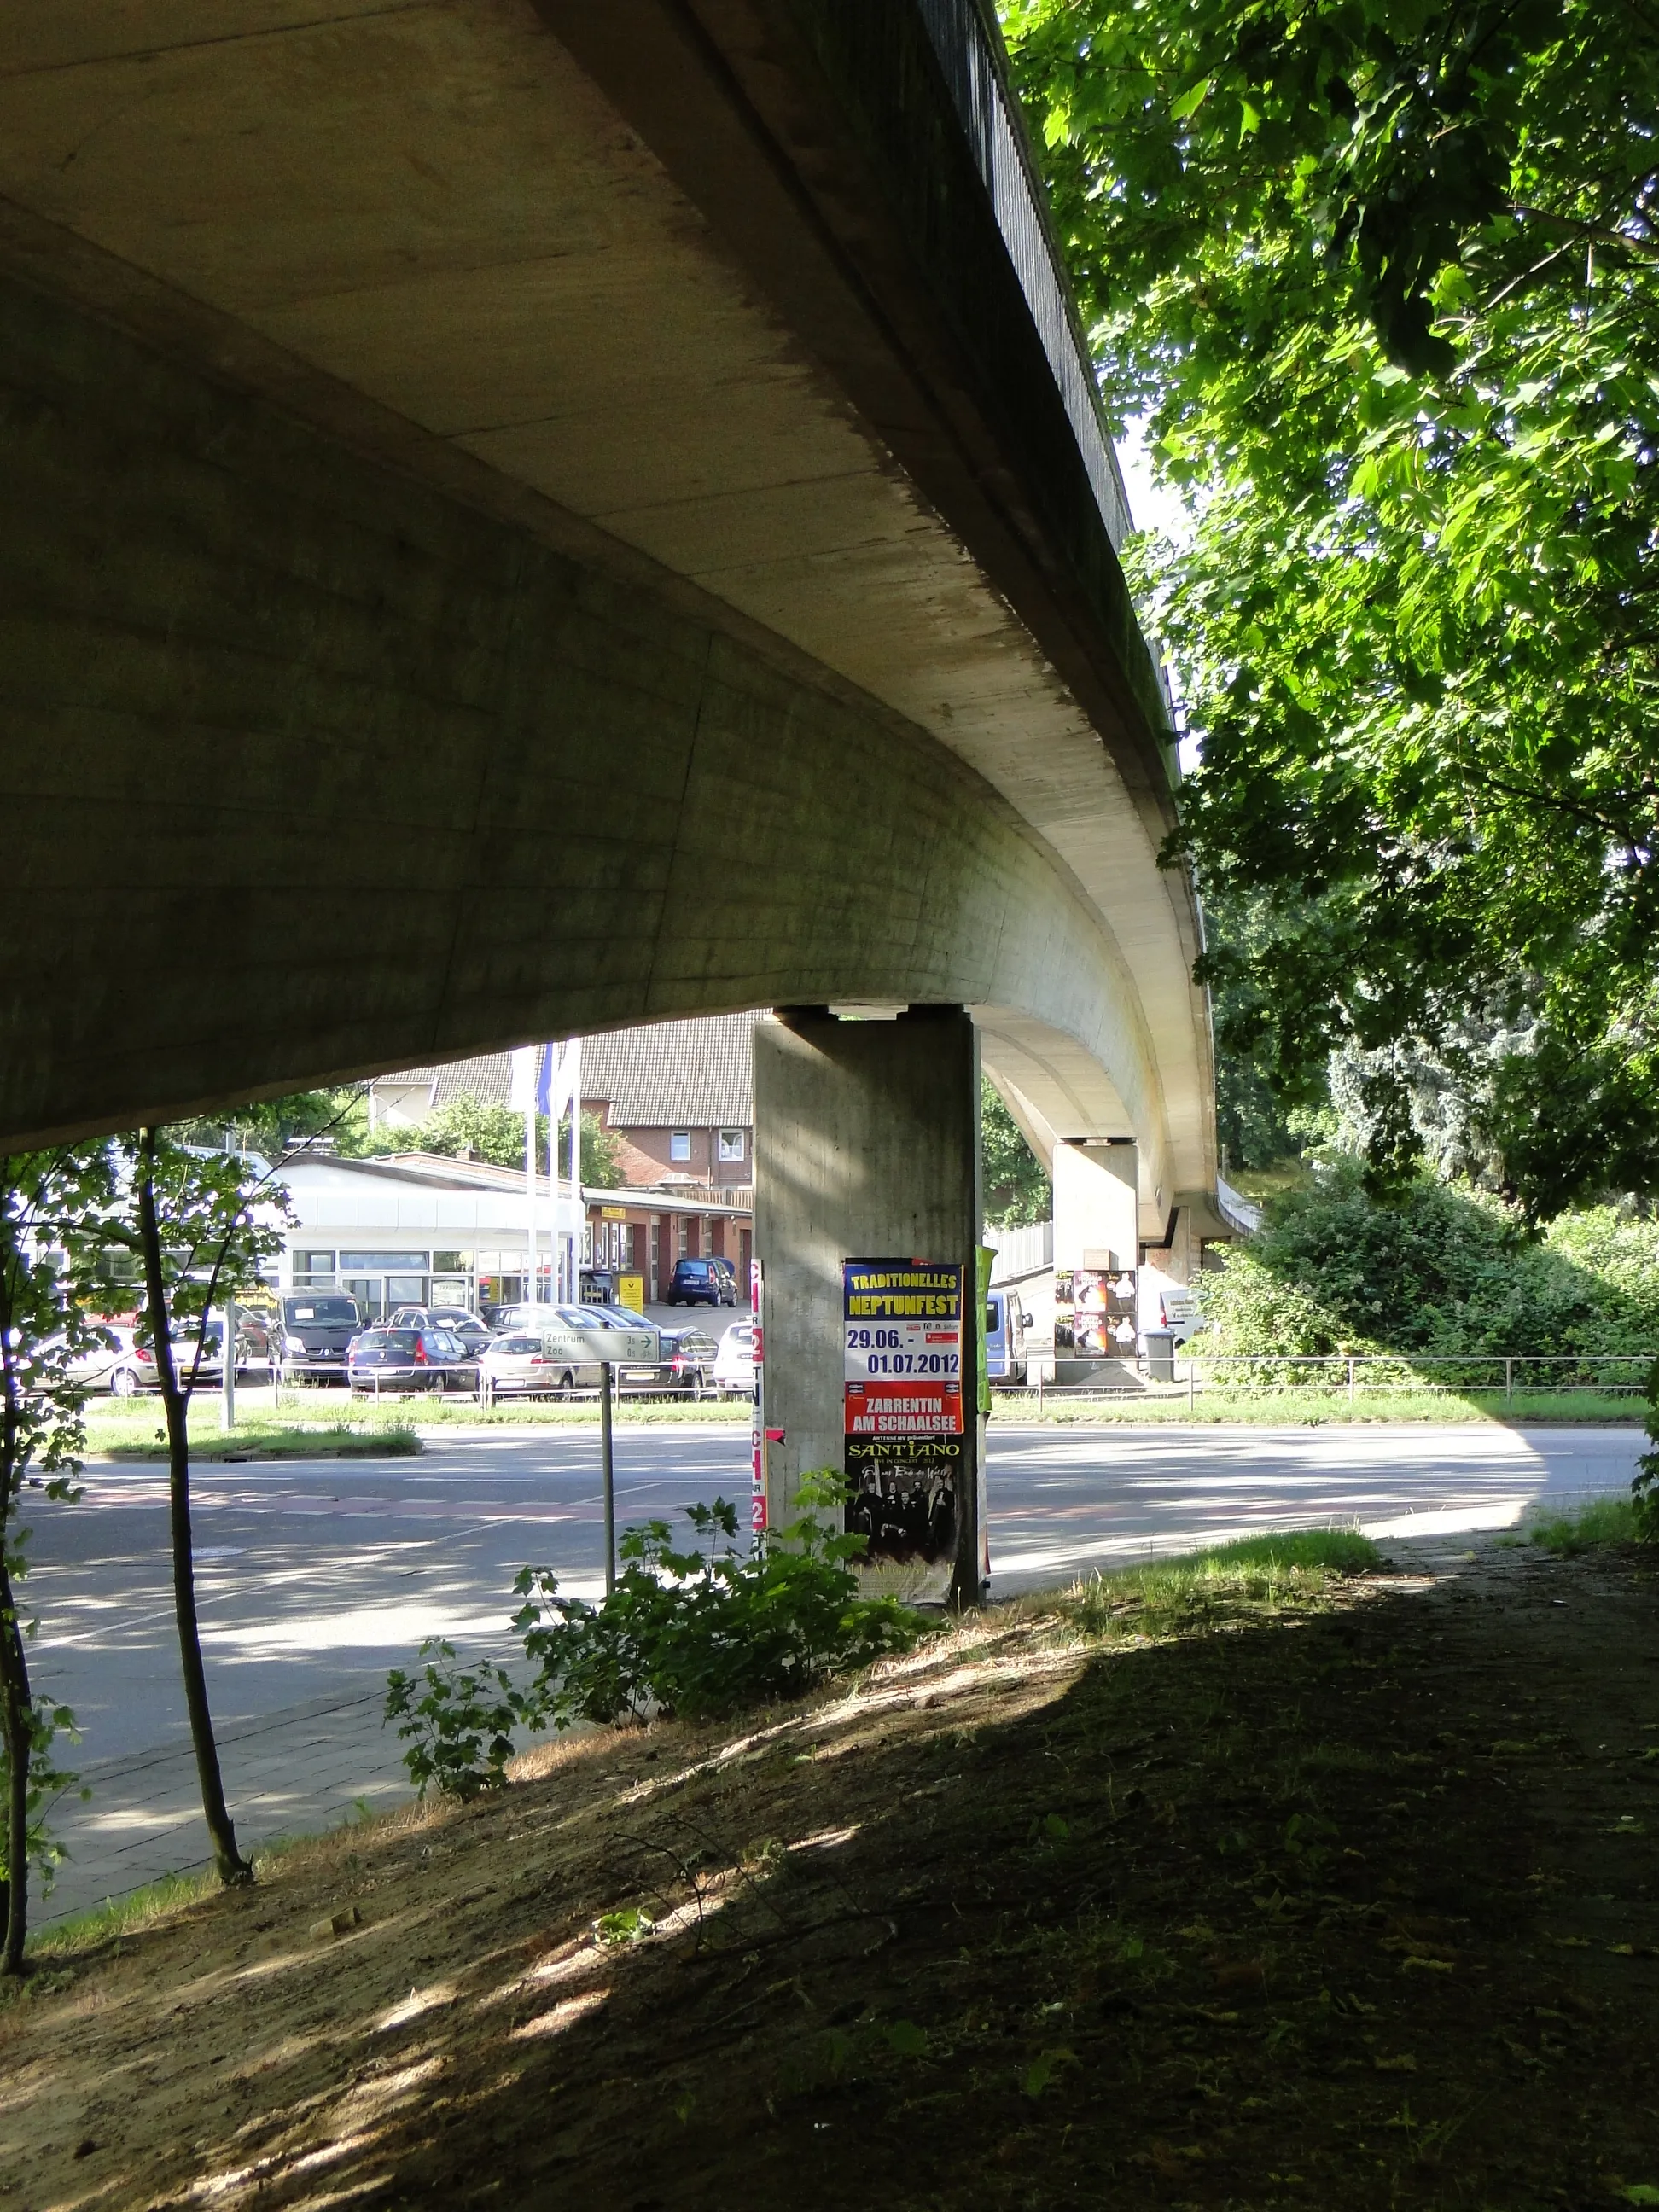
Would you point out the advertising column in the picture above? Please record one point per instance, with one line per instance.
(903, 1418)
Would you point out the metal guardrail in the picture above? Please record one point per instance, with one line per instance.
(1022, 1251)
(1346, 1375)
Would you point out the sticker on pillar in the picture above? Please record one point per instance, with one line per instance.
(759, 1515)
(902, 1417)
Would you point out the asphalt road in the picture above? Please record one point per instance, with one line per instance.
(315, 1578)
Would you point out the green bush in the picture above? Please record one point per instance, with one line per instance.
(704, 1632)
(1439, 1271)
(457, 1720)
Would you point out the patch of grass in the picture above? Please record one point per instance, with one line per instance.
(1254, 1576)
(1603, 1520)
(263, 1441)
(328, 1420)
(121, 1916)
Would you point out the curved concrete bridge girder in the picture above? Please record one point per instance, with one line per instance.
(524, 519)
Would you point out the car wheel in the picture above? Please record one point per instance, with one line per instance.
(567, 1384)
(123, 1383)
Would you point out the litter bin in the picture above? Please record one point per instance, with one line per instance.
(1160, 1355)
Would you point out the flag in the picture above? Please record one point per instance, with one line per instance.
(544, 1082)
(522, 1097)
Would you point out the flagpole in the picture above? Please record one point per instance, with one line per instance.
(575, 1169)
(523, 1099)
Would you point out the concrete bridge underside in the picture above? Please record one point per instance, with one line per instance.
(522, 520)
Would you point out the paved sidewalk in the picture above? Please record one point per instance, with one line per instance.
(286, 1774)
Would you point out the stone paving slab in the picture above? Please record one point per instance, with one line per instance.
(286, 1773)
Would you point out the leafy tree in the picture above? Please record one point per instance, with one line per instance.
(496, 1133)
(1017, 1189)
(46, 1200)
(1383, 282)
(270, 1126)
(198, 1223)
(1432, 1269)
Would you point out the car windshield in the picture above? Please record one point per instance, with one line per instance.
(396, 1340)
(334, 1311)
(621, 1317)
(517, 1344)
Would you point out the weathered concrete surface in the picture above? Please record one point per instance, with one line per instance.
(866, 1146)
(463, 483)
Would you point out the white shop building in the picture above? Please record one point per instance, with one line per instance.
(422, 1230)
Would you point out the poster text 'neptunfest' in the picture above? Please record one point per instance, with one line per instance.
(903, 1344)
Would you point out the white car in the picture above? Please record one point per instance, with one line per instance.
(119, 1363)
(519, 1365)
(734, 1363)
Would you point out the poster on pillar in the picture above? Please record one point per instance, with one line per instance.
(905, 1437)
(1095, 1312)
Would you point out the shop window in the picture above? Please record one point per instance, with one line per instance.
(731, 1144)
(679, 1143)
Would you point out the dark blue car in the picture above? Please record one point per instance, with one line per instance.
(703, 1283)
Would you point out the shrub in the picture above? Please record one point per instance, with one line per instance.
(459, 1728)
(703, 1632)
(1438, 1270)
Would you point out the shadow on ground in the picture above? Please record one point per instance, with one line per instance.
(1355, 1908)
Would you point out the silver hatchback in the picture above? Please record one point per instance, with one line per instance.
(524, 1366)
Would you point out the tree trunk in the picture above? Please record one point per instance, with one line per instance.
(231, 1865)
(16, 1716)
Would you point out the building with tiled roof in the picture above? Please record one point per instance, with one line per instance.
(678, 1095)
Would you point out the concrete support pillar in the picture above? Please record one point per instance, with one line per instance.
(866, 1146)
(1096, 1246)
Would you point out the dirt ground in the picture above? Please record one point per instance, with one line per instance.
(1350, 1909)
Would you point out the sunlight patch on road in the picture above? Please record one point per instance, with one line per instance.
(386, 1628)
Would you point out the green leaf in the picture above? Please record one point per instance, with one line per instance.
(1190, 101)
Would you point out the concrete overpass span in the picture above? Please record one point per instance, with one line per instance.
(526, 518)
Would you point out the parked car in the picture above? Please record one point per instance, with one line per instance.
(1005, 1323)
(382, 1359)
(118, 1363)
(734, 1363)
(585, 1337)
(522, 1365)
(711, 1282)
(456, 1319)
(253, 1350)
(316, 1327)
(688, 1361)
